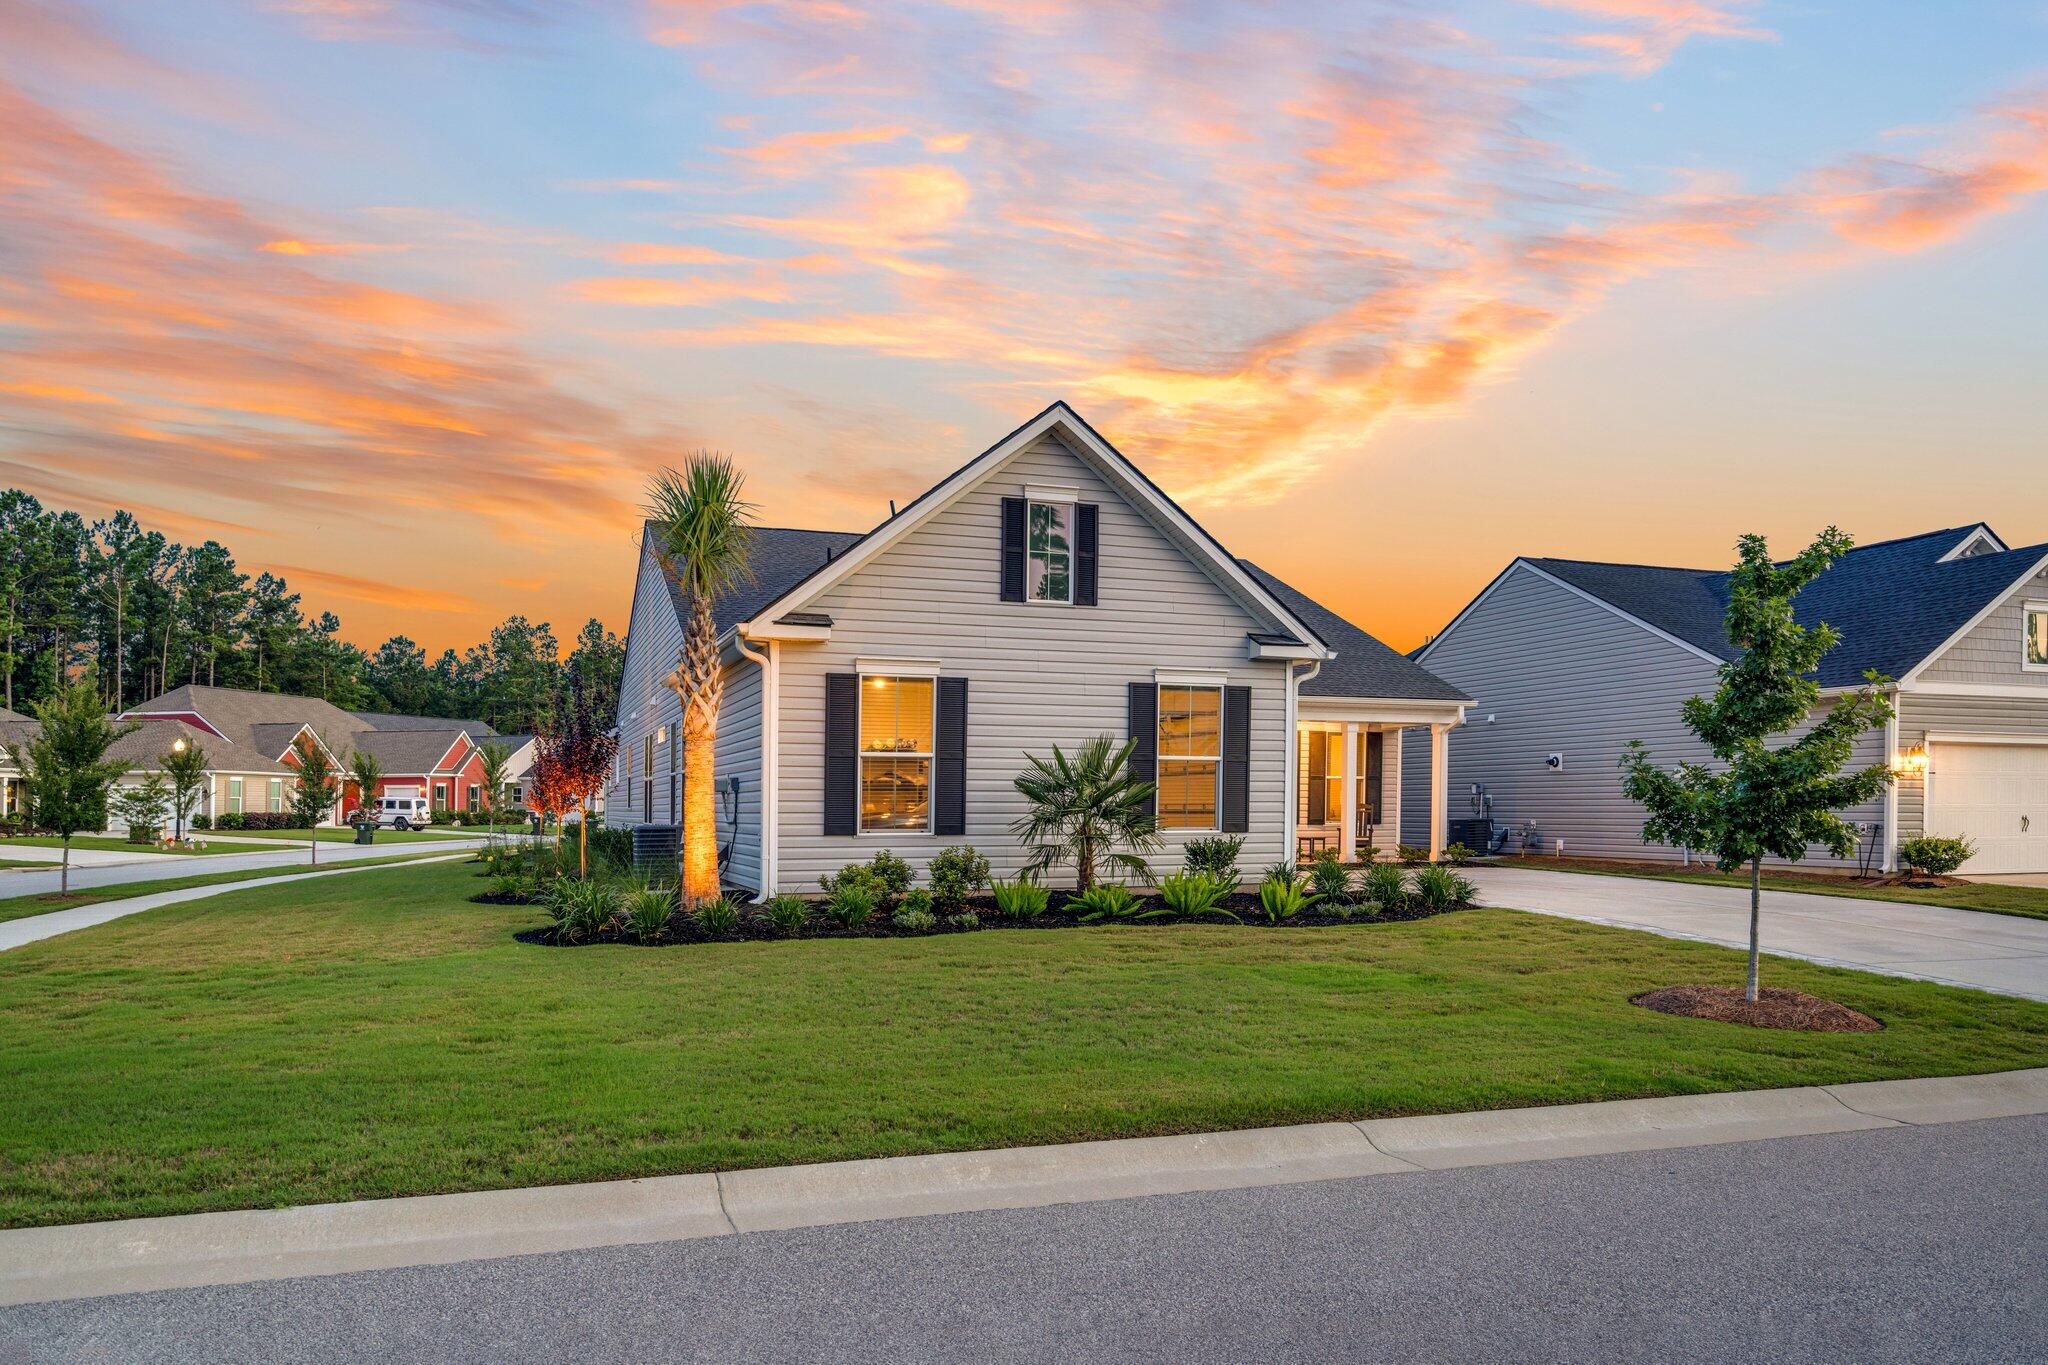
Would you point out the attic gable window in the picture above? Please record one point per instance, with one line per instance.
(2037, 635)
(1049, 552)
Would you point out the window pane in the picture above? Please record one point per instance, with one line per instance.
(1187, 794)
(1048, 575)
(2037, 637)
(1190, 722)
(896, 715)
(895, 793)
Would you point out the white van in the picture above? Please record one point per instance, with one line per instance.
(403, 812)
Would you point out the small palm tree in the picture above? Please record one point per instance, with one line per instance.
(701, 527)
(497, 761)
(1086, 810)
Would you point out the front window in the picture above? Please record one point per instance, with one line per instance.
(235, 796)
(2037, 635)
(895, 753)
(1322, 777)
(475, 797)
(440, 796)
(276, 795)
(1190, 756)
(1049, 545)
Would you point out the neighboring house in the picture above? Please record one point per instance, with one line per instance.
(882, 690)
(1567, 660)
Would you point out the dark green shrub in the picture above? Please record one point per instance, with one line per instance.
(1215, 856)
(1457, 855)
(1021, 899)
(1386, 889)
(1329, 877)
(200, 822)
(1935, 856)
(786, 915)
(1367, 854)
(717, 917)
(1282, 897)
(230, 820)
(647, 910)
(1195, 894)
(956, 873)
(1439, 888)
(892, 872)
(851, 904)
(583, 909)
(442, 817)
(1411, 854)
(860, 877)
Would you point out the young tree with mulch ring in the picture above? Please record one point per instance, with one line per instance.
(184, 767)
(582, 759)
(318, 789)
(1765, 800)
(65, 771)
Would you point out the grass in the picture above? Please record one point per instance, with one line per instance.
(19, 907)
(105, 843)
(2028, 902)
(367, 1036)
(348, 836)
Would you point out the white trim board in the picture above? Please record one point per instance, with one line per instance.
(1988, 691)
(1980, 533)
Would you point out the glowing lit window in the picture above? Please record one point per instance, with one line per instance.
(896, 753)
(1190, 761)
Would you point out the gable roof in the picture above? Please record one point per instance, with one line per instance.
(1364, 667)
(780, 556)
(392, 720)
(407, 752)
(1085, 443)
(1894, 603)
(256, 728)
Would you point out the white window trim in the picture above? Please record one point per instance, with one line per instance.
(2028, 609)
(929, 755)
(897, 668)
(1159, 759)
(1190, 677)
(1053, 498)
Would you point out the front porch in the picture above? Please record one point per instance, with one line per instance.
(1348, 779)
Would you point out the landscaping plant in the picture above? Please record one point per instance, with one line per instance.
(1195, 894)
(915, 918)
(1282, 896)
(716, 917)
(965, 920)
(318, 789)
(700, 527)
(184, 766)
(786, 915)
(851, 905)
(1021, 899)
(1386, 889)
(646, 911)
(1088, 810)
(1104, 900)
(141, 807)
(583, 744)
(583, 907)
(1216, 856)
(956, 873)
(1457, 855)
(1763, 798)
(1329, 877)
(1439, 888)
(65, 771)
(1411, 854)
(365, 770)
(1936, 856)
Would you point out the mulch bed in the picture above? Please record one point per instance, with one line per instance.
(1777, 1008)
(683, 930)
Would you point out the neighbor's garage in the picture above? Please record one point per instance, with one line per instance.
(1994, 794)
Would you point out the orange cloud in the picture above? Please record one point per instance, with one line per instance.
(1652, 31)
(696, 292)
(371, 590)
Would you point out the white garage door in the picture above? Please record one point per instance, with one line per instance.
(1995, 795)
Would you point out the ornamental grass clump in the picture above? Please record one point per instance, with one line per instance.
(1386, 889)
(852, 904)
(646, 911)
(717, 917)
(1021, 899)
(1439, 888)
(1329, 877)
(1282, 896)
(1195, 894)
(1103, 901)
(583, 909)
(786, 915)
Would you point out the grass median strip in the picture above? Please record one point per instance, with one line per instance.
(2028, 902)
(372, 1037)
(18, 907)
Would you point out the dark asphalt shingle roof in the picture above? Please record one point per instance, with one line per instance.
(1363, 667)
(780, 556)
(388, 720)
(1893, 603)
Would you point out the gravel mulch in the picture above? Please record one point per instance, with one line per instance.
(1778, 1008)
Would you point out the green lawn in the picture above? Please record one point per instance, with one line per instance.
(380, 1035)
(106, 843)
(348, 836)
(2030, 902)
(16, 907)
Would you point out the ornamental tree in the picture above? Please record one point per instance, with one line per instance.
(1765, 799)
(546, 794)
(142, 806)
(583, 748)
(64, 767)
(318, 789)
(184, 766)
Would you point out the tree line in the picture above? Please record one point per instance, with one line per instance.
(147, 614)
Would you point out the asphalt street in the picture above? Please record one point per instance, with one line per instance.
(1899, 1244)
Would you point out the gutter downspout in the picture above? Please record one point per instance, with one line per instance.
(771, 746)
(1290, 845)
(1891, 788)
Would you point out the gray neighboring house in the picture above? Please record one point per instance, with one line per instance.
(883, 689)
(1567, 660)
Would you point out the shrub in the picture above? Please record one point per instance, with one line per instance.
(647, 909)
(1329, 878)
(957, 873)
(717, 917)
(917, 902)
(1104, 900)
(583, 909)
(1215, 856)
(1339, 910)
(443, 817)
(1385, 888)
(199, 822)
(914, 921)
(505, 886)
(851, 904)
(230, 820)
(1457, 855)
(1439, 888)
(859, 877)
(1196, 893)
(1367, 854)
(786, 915)
(965, 920)
(1938, 857)
(1411, 854)
(892, 872)
(1021, 899)
(1282, 897)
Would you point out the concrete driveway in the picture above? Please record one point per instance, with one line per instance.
(2002, 953)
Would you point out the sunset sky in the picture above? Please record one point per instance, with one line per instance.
(406, 300)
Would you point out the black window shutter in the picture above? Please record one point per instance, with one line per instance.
(1013, 549)
(1087, 534)
(1143, 712)
(1375, 765)
(1237, 756)
(842, 754)
(1316, 773)
(949, 762)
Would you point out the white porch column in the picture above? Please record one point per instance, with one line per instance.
(1439, 788)
(1347, 809)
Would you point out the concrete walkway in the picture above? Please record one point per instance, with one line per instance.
(34, 928)
(90, 1259)
(2003, 953)
(148, 867)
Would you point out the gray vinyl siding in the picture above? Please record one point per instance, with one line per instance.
(653, 643)
(737, 754)
(1552, 672)
(1993, 651)
(1921, 715)
(1037, 675)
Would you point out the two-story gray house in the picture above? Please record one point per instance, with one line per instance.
(882, 689)
(1566, 661)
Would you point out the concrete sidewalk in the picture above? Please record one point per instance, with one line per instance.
(90, 1259)
(2007, 954)
(149, 867)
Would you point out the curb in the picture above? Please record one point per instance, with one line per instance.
(85, 1260)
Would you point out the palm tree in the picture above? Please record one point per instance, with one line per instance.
(701, 526)
(1084, 808)
(497, 758)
